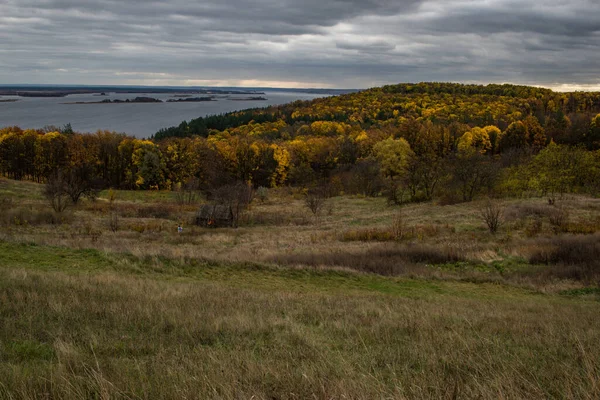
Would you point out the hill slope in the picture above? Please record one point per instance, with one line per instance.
(87, 324)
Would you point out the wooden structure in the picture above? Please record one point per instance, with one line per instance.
(215, 216)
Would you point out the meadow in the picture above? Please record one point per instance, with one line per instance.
(365, 300)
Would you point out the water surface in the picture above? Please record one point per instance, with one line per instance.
(137, 119)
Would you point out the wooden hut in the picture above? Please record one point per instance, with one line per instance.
(215, 216)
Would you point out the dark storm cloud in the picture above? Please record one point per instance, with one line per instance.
(347, 43)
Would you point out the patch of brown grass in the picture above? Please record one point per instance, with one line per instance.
(32, 216)
(383, 260)
(575, 257)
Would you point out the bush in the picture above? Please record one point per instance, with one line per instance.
(262, 194)
(315, 201)
(491, 214)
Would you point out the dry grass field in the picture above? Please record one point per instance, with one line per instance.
(363, 301)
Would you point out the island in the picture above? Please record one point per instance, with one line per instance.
(248, 98)
(8, 100)
(117, 101)
(191, 99)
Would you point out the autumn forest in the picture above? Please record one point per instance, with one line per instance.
(408, 142)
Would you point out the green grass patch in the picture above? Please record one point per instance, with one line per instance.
(247, 274)
(26, 351)
(593, 292)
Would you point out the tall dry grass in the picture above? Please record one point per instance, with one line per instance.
(263, 335)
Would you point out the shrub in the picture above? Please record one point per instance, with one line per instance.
(315, 201)
(262, 194)
(491, 214)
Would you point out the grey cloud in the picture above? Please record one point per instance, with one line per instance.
(369, 46)
(330, 43)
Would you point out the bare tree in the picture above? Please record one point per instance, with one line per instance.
(77, 183)
(56, 192)
(315, 200)
(492, 215)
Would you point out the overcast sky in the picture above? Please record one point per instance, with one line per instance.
(294, 43)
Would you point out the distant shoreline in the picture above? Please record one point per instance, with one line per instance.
(63, 91)
(44, 90)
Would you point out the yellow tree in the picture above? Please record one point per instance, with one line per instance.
(477, 139)
(393, 156)
(51, 153)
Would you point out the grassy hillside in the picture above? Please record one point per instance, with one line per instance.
(363, 301)
(86, 324)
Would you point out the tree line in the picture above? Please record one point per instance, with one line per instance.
(408, 142)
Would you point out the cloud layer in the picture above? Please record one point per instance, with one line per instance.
(340, 43)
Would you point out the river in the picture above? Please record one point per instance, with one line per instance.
(138, 119)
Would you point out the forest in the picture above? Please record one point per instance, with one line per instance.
(408, 142)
